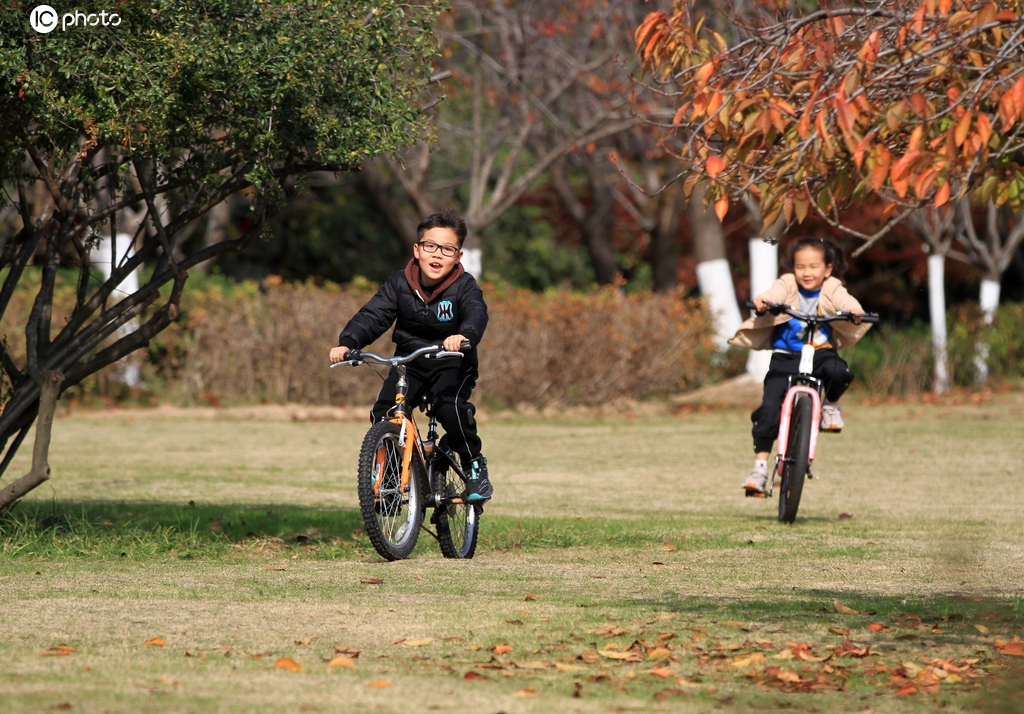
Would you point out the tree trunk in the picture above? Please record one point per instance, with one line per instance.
(377, 179)
(48, 395)
(595, 223)
(764, 271)
(473, 254)
(989, 300)
(216, 230)
(107, 256)
(713, 274)
(937, 309)
(664, 251)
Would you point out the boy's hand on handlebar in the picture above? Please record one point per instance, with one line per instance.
(338, 354)
(856, 319)
(453, 343)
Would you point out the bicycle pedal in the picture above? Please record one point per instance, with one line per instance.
(756, 494)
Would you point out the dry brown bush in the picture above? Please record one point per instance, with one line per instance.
(561, 347)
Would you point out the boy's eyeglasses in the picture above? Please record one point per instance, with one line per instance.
(448, 251)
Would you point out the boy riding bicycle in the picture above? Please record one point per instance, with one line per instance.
(812, 288)
(432, 301)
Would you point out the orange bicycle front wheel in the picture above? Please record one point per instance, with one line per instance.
(392, 514)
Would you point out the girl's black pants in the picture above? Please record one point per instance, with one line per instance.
(828, 367)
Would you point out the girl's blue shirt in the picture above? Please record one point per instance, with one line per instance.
(790, 336)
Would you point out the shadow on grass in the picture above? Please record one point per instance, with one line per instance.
(103, 529)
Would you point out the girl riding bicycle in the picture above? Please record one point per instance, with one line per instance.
(814, 288)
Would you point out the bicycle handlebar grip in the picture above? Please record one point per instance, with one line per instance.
(353, 355)
(466, 346)
(873, 319)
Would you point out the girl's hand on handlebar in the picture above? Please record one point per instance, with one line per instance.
(338, 354)
(453, 343)
(760, 305)
(856, 319)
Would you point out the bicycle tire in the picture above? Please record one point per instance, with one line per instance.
(458, 524)
(392, 518)
(794, 468)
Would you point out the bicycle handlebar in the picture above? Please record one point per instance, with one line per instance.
(358, 357)
(778, 309)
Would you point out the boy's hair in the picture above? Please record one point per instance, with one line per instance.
(832, 252)
(445, 218)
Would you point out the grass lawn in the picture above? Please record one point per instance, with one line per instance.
(210, 563)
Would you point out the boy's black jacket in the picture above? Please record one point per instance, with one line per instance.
(455, 307)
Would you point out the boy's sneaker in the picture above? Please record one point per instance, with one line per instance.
(756, 482)
(478, 486)
(831, 418)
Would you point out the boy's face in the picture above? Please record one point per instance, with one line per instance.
(430, 254)
(810, 268)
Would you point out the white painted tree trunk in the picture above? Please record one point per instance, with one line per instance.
(715, 280)
(106, 256)
(764, 271)
(937, 309)
(989, 300)
(473, 262)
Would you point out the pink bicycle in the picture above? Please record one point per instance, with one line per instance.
(801, 413)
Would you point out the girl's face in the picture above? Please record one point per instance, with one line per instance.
(810, 268)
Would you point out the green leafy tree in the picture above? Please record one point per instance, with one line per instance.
(144, 127)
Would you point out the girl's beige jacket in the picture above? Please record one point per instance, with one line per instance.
(756, 333)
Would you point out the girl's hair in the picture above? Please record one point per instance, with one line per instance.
(832, 252)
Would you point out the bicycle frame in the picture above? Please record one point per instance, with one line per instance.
(409, 436)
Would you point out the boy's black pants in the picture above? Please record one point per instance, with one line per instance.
(448, 387)
(828, 367)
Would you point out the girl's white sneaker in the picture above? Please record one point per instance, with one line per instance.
(831, 418)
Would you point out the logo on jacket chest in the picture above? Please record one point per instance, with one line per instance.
(445, 310)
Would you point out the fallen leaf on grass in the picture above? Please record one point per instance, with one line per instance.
(471, 675)
(275, 568)
(378, 684)
(371, 581)
(783, 654)
(590, 657)
(341, 661)
(845, 516)
(843, 609)
(668, 547)
(155, 642)
(518, 623)
(662, 672)
(536, 664)
(878, 627)
(529, 596)
(58, 651)
(302, 641)
(417, 643)
(501, 649)
(849, 649)
(289, 664)
(656, 653)
(734, 623)
(63, 706)
(1013, 649)
(982, 629)
(562, 667)
(747, 660)
(623, 656)
(473, 648)
(838, 631)
(909, 689)
(349, 650)
(528, 692)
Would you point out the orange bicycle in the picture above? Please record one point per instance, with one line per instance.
(401, 475)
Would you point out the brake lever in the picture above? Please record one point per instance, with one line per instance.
(348, 362)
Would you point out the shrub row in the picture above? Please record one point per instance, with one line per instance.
(239, 343)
